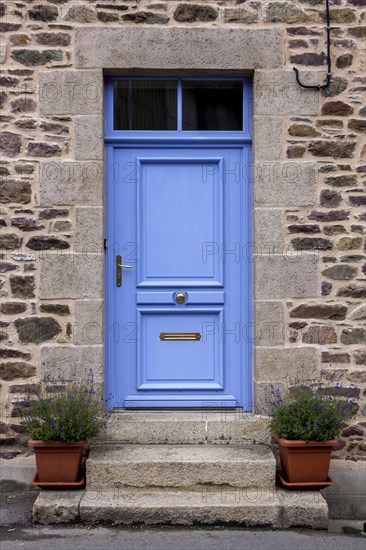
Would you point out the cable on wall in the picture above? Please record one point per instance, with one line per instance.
(329, 74)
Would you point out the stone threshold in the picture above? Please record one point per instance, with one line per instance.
(179, 427)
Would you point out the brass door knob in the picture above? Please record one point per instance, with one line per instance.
(180, 297)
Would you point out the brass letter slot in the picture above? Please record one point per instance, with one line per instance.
(180, 336)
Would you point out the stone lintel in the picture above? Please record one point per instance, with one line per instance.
(178, 48)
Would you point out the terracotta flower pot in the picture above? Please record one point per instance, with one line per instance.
(305, 461)
(57, 460)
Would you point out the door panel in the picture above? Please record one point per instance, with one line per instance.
(177, 212)
(172, 364)
(180, 216)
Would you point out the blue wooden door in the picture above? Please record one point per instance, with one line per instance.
(178, 315)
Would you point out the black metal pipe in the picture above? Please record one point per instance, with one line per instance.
(329, 73)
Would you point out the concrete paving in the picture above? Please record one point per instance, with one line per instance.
(101, 538)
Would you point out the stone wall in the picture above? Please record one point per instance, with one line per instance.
(308, 184)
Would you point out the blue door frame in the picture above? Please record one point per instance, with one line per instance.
(137, 363)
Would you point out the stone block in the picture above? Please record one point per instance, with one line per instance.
(22, 286)
(14, 354)
(334, 149)
(277, 93)
(238, 429)
(261, 397)
(88, 328)
(89, 137)
(18, 191)
(285, 276)
(209, 426)
(71, 92)
(55, 507)
(138, 427)
(268, 231)
(45, 242)
(340, 272)
(42, 149)
(10, 241)
(284, 183)
(353, 335)
(336, 356)
(34, 330)
(182, 466)
(12, 370)
(89, 231)
(320, 335)
(71, 276)
(55, 309)
(285, 364)
(303, 508)
(188, 13)
(269, 325)
(302, 244)
(335, 312)
(267, 138)
(179, 48)
(353, 290)
(64, 182)
(3, 53)
(64, 361)
(10, 144)
(210, 506)
(360, 357)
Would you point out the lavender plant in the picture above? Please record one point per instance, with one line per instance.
(65, 410)
(315, 410)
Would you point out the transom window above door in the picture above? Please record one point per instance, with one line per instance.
(179, 104)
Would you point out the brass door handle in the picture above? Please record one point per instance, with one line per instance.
(119, 267)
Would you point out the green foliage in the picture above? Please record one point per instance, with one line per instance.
(60, 410)
(312, 411)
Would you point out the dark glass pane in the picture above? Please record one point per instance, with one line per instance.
(145, 105)
(215, 105)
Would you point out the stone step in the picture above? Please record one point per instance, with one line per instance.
(223, 427)
(276, 508)
(111, 467)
